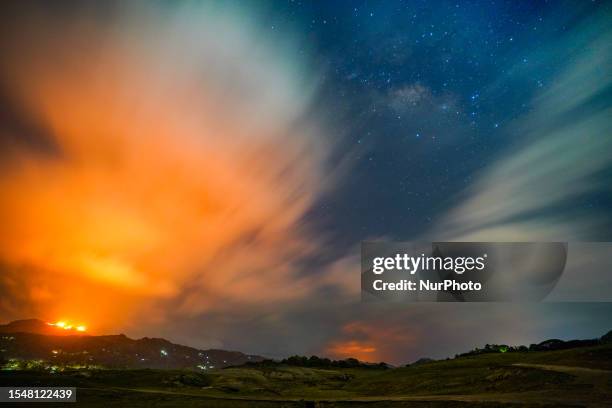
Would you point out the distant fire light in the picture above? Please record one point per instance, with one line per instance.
(67, 326)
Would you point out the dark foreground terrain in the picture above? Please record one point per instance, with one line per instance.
(562, 378)
(33, 341)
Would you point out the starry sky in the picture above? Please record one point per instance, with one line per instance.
(431, 90)
(205, 173)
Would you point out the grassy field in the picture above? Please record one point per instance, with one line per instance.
(575, 377)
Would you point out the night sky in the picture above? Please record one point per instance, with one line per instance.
(429, 92)
(229, 160)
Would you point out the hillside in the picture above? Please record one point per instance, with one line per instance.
(37, 326)
(553, 373)
(563, 378)
(47, 346)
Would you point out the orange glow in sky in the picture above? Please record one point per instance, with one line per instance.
(166, 173)
(68, 326)
(353, 348)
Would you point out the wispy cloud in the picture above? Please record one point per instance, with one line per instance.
(530, 192)
(186, 156)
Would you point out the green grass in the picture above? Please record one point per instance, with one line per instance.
(483, 380)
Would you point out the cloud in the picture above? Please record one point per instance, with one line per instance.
(534, 191)
(162, 159)
(530, 193)
(185, 156)
(372, 341)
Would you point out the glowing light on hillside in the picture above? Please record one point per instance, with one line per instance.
(87, 232)
(68, 326)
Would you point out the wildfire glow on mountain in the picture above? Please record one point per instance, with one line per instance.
(68, 326)
(170, 167)
(206, 171)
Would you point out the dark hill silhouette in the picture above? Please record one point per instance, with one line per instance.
(37, 326)
(546, 345)
(35, 340)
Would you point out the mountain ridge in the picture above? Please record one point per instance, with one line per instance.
(35, 340)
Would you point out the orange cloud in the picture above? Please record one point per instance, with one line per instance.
(183, 166)
(353, 348)
(371, 341)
